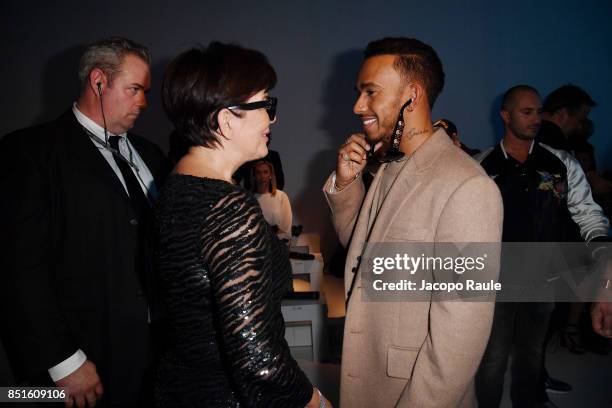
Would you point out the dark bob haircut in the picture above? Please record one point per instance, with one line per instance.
(199, 82)
(416, 61)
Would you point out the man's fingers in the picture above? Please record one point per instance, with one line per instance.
(79, 401)
(91, 399)
(353, 147)
(607, 326)
(352, 159)
(99, 390)
(596, 316)
(357, 138)
(602, 319)
(350, 163)
(356, 157)
(83, 385)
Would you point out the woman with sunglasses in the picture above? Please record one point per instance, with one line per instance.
(222, 270)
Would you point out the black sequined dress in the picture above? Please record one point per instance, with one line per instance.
(223, 274)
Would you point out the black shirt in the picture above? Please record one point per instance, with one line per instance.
(550, 134)
(534, 194)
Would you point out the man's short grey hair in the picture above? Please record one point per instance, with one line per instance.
(107, 55)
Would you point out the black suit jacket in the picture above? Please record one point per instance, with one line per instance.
(73, 265)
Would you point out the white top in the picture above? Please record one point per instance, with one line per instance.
(277, 211)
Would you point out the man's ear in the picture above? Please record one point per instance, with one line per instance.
(416, 93)
(97, 81)
(505, 115)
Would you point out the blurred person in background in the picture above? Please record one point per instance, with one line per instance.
(274, 202)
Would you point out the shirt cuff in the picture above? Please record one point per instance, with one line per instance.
(333, 189)
(68, 366)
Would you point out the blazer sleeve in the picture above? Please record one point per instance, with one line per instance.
(237, 250)
(345, 206)
(459, 331)
(34, 332)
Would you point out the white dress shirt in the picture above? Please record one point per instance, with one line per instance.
(127, 150)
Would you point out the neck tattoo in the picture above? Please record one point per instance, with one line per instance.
(412, 132)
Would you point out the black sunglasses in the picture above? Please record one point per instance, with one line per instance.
(269, 105)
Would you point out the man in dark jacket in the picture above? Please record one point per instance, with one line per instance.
(544, 190)
(565, 113)
(75, 296)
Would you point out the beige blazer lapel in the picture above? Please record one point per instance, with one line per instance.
(360, 232)
(402, 190)
(406, 186)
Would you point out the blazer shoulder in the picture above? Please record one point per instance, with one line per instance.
(37, 138)
(456, 165)
(29, 133)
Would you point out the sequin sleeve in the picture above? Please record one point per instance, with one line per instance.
(248, 275)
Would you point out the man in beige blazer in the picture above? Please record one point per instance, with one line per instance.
(409, 354)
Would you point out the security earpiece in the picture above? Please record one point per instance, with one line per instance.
(99, 85)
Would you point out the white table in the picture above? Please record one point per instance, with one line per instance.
(305, 319)
(311, 269)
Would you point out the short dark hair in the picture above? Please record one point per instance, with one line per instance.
(415, 61)
(107, 55)
(568, 96)
(201, 81)
(509, 97)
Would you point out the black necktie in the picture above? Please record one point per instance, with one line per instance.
(139, 200)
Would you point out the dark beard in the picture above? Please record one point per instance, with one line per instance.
(386, 144)
(387, 141)
(520, 135)
(387, 138)
(524, 137)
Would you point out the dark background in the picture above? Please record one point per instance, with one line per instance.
(315, 46)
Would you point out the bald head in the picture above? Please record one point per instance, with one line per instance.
(511, 96)
(521, 112)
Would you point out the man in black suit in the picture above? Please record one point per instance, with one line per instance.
(75, 293)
